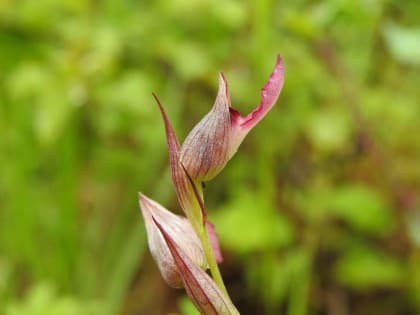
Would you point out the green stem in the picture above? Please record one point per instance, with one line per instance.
(214, 268)
(208, 250)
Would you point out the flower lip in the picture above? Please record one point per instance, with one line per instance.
(269, 94)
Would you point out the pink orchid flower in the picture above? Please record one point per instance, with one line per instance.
(216, 138)
(201, 289)
(179, 229)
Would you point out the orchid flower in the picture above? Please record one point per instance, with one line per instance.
(216, 138)
(201, 289)
(179, 229)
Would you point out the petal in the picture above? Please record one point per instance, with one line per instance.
(214, 241)
(204, 151)
(184, 186)
(201, 289)
(180, 229)
(269, 95)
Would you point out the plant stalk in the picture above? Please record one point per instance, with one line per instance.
(203, 235)
(214, 268)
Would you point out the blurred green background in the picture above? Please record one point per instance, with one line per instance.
(319, 211)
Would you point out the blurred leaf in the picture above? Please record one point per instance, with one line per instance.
(329, 130)
(34, 86)
(43, 300)
(231, 14)
(403, 43)
(190, 60)
(128, 93)
(249, 223)
(413, 227)
(5, 276)
(301, 268)
(187, 307)
(270, 277)
(280, 278)
(367, 268)
(414, 278)
(362, 208)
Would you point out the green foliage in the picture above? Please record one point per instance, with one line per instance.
(366, 268)
(403, 43)
(187, 307)
(247, 212)
(42, 300)
(318, 210)
(362, 209)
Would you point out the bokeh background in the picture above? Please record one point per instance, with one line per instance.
(319, 211)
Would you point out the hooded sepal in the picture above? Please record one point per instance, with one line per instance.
(201, 289)
(180, 230)
(204, 152)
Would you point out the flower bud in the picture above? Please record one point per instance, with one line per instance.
(214, 140)
(179, 229)
(201, 289)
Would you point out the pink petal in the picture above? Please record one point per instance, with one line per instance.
(201, 289)
(214, 241)
(269, 94)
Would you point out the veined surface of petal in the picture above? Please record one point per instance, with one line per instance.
(204, 151)
(180, 229)
(200, 287)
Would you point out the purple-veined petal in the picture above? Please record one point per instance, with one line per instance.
(269, 95)
(180, 229)
(201, 289)
(185, 191)
(204, 151)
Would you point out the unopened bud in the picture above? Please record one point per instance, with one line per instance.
(179, 229)
(201, 289)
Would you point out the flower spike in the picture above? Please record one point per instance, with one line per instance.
(216, 138)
